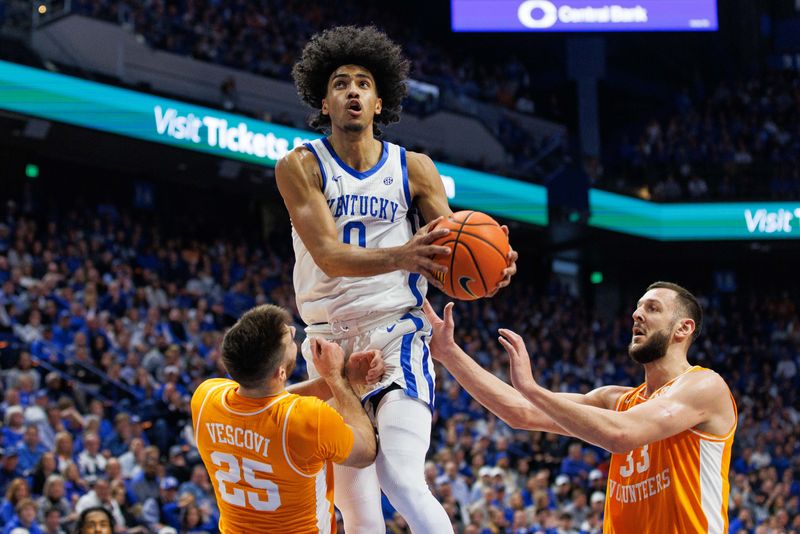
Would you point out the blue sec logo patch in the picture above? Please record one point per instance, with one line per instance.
(388, 180)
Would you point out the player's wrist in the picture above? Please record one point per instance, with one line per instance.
(336, 380)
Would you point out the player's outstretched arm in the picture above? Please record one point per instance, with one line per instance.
(329, 361)
(495, 395)
(691, 401)
(299, 182)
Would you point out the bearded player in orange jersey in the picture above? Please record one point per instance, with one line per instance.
(670, 437)
(267, 448)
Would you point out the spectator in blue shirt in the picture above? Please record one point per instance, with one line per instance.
(16, 491)
(14, 430)
(573, 465)
(162, 511)
(9, 467)
(31, 449)
(25, 518)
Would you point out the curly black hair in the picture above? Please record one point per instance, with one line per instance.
(366, 47)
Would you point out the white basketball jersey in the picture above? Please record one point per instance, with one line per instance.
(372, 209)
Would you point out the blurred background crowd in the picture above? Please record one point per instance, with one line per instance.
(112, 309)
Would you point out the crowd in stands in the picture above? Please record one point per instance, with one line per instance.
(267, 37)
(108, 323)
(741, 140)
(737, 140)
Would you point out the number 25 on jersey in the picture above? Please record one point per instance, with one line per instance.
(259, 500)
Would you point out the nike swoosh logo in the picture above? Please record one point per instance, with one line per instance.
(463, 281)
(390, 328)
(337, 178)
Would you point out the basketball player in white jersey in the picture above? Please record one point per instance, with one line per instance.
(362, 267)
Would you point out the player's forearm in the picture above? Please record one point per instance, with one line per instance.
(349, 407)
(496, 396)
(340, 259)
(591, 424)
(316, 387)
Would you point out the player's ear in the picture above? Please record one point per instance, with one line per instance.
(685, 329)
(378, 106)
(324, 109)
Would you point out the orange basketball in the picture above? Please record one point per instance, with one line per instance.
(479, 255)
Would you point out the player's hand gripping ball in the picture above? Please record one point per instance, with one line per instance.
(479, 255)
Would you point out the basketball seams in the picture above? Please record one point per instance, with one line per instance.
(460, 233)
(476, 265)
(453, 253)
(475, 236)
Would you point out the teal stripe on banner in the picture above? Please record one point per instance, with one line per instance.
(178, 124)
(104, 108)
(696, 221)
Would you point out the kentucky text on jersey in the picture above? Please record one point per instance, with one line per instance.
(363, 205)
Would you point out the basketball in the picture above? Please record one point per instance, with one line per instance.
(479, 255)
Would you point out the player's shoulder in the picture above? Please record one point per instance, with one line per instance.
(422, 173)
(309, 411)
(702, 381)
(298, 157)
(206, 386)
(304, 405)
(419, 162)
(298, 166)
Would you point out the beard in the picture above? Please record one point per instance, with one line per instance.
(290, 365)
(651, 350)
(353, 127)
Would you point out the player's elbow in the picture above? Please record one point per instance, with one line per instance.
(619, 442)
(517, 421)
(329, 263)
(330, 269)
(363, 453)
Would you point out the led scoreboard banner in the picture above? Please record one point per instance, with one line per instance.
(105, 108)
(694, 221)
(69, 100)
(583, 15)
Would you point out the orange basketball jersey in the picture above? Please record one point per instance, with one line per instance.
(678, 484)
(269, 458)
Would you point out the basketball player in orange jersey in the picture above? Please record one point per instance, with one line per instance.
(268, 450)
(670, 438)
(362, 268)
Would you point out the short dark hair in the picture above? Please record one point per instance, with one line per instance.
(82, 519)
(687, 302)
(253, 348)
(366, 47)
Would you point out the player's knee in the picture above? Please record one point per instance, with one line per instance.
(365, 521)
(404, 494)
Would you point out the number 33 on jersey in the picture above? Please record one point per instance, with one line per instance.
(678, 484)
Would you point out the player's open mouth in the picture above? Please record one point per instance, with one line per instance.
(638, 332)
(354, 108)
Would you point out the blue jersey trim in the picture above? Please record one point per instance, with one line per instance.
(426, 371)
(405, 356)
(319, 161)
(406, 187)
(354, 173)
(413, 278)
